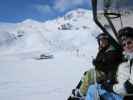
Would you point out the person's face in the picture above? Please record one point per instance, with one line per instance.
(103, 42)
(127, 45)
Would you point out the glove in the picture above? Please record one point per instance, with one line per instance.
(128, 86)
(129, 83)
(107, 85)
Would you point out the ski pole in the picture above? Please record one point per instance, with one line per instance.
(96, 87)
(96, 96)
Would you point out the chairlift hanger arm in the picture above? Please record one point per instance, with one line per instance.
(94, 8)
(111, 24)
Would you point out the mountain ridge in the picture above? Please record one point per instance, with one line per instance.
(71, 32)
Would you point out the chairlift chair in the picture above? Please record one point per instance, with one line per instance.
(112, 15)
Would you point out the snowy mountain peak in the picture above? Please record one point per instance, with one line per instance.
(76, 20)
(70, 32)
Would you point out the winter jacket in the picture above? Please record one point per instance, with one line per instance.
(124, 79)
(107, 61)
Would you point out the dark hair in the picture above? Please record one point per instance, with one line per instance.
(125, 32)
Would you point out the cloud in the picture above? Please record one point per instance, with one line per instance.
(63, 5)
(60, 6)
(44, 9)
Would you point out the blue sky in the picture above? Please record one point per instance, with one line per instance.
(41, 10)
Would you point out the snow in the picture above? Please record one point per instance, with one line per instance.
(24, 77)
(38, 80)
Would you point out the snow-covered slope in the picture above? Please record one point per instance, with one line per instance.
(71, 32)
(40, 79)
(70, 39)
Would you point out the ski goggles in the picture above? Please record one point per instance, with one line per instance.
(102, 37)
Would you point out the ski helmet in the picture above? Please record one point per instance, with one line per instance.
(102, 36)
